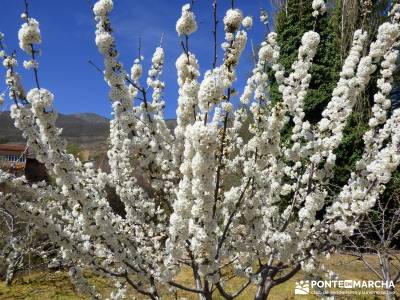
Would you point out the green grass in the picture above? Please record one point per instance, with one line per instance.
(40, 286)
(56, 285)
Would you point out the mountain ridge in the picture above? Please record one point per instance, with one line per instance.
(78, 128)
(74, 126)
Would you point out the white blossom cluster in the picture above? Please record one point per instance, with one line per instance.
(319, 7)
(29, 35)
(30, 64)
(154, 82)
(102, 8)
(212, 88)
(188, 73)
(381, 154)
(13, 79)
(186, 24)
(247, 22)
(136, 70)
(233, 19)
(201, 195)
(334, 117)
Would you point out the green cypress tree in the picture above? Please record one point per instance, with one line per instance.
(351, 148)
(291, 24)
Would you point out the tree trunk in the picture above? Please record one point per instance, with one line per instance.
(197, 281)
(207, 292)
(199, 287)
(10, 276)
(207, 296)
(12, 267)
(263, 289)
(385, 268)
(390, 294)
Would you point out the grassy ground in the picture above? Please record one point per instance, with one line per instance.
(56, 285)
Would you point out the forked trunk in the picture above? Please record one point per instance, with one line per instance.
(386, 270)
(264, 289)
(207, 294)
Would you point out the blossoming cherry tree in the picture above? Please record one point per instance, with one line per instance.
(186, 211)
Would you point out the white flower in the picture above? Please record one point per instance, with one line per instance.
(104, 41)
(186, 24)
(29, 34)
(31, 64)
(319, 7)
(310, 39)
(227, 106)
(102, 7)
(233, 19)
(40, 98)
(247, 22)
(212, 88)
(266, 52)
(286, 189)
(10, 62)
(136, 71)
(158, 56)
(341, 226)
(373, 122)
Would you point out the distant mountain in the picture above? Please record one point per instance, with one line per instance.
(8, 133)
(81, 128)
(171, 124)
(91, 117)
(85, 127)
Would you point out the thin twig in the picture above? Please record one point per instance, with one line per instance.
(214, 63)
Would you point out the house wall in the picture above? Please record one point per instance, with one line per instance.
(17, 160)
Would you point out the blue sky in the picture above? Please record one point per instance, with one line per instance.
(68, 28)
